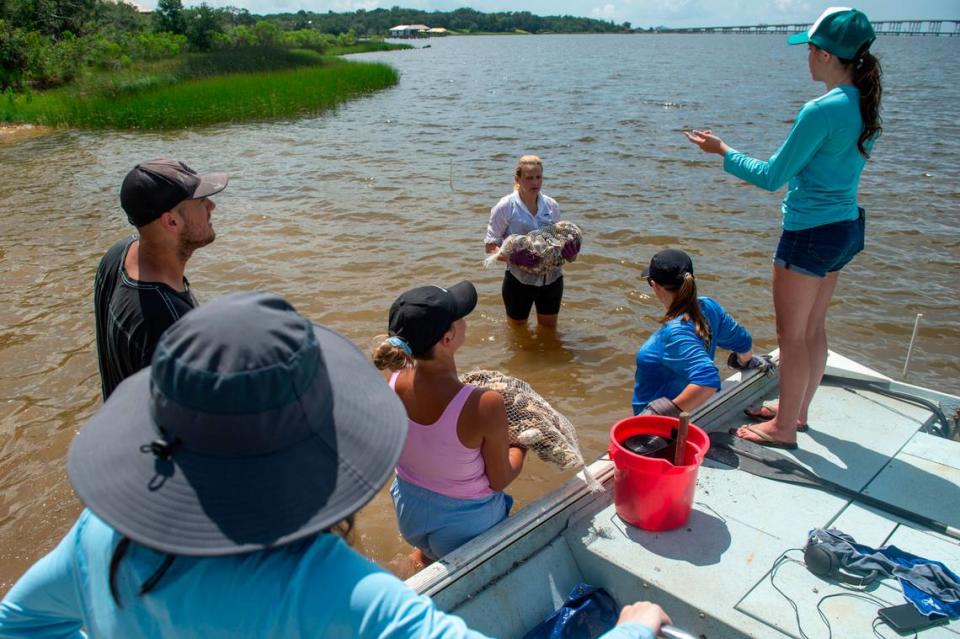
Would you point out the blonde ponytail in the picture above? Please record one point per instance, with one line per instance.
(390, 354)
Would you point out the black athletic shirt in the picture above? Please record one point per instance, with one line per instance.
(131, 315)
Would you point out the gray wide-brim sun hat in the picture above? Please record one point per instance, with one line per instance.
(251, 429)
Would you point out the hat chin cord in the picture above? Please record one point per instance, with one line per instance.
(161, 448)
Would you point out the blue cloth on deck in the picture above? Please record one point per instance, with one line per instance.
(929, 585)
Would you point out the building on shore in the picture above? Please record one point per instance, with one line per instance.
(409, 31)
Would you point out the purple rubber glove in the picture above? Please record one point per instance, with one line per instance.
(763, 363)
(662, 406)
(524, 257)
(570, 250)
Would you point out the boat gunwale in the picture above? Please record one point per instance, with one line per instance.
(456, 565)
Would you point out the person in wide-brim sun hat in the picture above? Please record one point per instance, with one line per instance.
(212, 480)
(823, 226)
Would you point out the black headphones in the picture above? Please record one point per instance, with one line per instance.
(826, 565)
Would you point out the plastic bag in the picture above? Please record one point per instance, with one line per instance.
(587, 613)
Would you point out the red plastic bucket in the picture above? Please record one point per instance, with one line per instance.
(652, 493)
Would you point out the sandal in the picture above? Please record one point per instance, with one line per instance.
(767, 412)
(763, 438)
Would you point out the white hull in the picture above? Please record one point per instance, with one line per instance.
(713, 574)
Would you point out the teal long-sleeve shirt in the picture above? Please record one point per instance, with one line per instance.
(819, 161)
(319, 587)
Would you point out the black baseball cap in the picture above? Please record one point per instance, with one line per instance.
(668, 266)
(155, 187)
(422, 315)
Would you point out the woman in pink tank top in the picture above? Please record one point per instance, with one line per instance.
(457, 459)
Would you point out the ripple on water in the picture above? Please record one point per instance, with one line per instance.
(342, 212)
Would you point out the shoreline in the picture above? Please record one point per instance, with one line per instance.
(19, 131)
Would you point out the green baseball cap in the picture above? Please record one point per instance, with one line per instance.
(841, 31)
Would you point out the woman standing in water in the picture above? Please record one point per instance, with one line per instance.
(528, 209)
(823, 227)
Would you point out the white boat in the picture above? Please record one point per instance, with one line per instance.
(716, 575)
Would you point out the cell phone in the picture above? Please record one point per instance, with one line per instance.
(905, 619)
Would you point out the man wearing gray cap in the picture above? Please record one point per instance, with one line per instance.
(140, 288)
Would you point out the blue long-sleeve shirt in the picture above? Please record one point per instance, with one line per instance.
(316, 588)
(676, 356)
(819, 161)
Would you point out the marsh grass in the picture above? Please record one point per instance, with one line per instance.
(196, 90)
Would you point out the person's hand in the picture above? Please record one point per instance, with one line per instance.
(570, 250)
(707, 141)
(763, 363)
(662, 406)
(643, 612)
(525, 258)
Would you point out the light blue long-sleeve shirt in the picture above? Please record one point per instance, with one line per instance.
(676, 356)
(819, 161)
(316, 588)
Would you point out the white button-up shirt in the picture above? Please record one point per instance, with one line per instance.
(510, 216)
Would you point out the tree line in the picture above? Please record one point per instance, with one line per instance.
(48, 43)
(379, 21)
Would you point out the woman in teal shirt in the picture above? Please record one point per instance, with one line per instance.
(823, 227)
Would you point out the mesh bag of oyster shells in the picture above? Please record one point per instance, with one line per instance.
(533, 424)
(546, 243)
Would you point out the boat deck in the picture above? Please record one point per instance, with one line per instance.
(716, 575)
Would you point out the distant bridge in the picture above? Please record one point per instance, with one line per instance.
(882, 27)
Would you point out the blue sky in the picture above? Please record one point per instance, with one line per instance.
(641, 13)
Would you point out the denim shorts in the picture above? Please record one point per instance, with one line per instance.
(437, 524)
(821, 249)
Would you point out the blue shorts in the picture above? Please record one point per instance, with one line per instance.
(821, 249)
(437, 524)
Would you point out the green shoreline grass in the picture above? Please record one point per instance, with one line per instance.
(160, 97)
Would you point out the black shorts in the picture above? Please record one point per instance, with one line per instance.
(519, 297)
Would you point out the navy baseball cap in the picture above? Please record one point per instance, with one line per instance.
(668, 266)
(422, 315)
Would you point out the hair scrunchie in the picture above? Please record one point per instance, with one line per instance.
(400, 343)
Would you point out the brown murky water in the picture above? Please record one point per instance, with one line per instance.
(342, 212)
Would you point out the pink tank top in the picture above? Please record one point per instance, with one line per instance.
(435, 459)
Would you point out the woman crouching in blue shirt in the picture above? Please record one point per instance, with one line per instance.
(823, 226)
(675, 369)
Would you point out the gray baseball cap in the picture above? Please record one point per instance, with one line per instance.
(154, 187)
